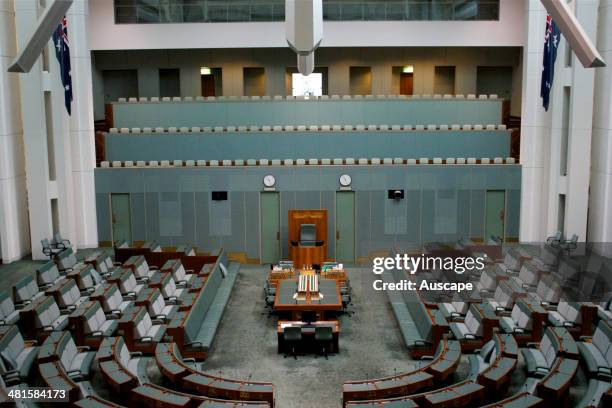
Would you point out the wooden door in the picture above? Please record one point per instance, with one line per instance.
(208, 85)
(270, 227)
(406, 83)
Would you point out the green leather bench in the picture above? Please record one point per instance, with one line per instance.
(196, 332)
(8, 313)
(390, 403)
(25, 291)
(522, 400)
(121, 369)
(458, 395)
(47, 275)
(415, 321)
(16, 355)
(595, 391)
(446, 360)
(54, 377)
(65, 260)
(92, 401)
(596, 352)
(76, 361)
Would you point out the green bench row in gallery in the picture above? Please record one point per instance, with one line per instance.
(306, 145)
(320, 111)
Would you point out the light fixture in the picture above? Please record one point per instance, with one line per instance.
(205, 71)
(408, 69)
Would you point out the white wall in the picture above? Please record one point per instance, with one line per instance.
(14, 227)
(105, 35)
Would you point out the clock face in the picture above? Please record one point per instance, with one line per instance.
(345, 180)
(269, 180)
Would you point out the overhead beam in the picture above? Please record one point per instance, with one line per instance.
(45, 26)
(573, 32)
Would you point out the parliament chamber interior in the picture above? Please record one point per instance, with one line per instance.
(306, 203)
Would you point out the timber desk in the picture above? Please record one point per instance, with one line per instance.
(308, 333)
(330, 302)
(277, 275)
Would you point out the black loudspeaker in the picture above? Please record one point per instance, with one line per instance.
(219, 195)
(395, 194)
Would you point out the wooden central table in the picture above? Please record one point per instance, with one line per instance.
(331, 301)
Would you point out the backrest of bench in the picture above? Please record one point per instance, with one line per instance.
(25, 289)
(47, 312)
(6, 304)
(47, 273)
(198, 311)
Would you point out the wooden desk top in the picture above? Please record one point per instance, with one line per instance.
(276, 275)
(329, 288)
(309, 327)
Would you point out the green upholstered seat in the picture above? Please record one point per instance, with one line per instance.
(594, 392)
(206, 313)
(8, 314)
(597, 353)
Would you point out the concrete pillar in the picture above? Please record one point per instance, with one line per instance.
(465, 78)
(600, 205)
(580, 130)
(534, 129)
(82, 132)
(40, 188)
(14, 228)
(191, 84)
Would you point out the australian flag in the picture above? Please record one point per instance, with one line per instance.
(62, 52)
(551, 43)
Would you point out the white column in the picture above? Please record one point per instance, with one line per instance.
(600, 205)
(82, 131)
(580, 130)
(535, 129)
(49, 154)
(14, 228)
(34, 134)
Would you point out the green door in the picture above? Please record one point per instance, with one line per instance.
(345, 226)
(121, 217)
(495, 214)
(270, 227)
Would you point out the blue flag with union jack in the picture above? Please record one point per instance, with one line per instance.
(62, 52)
(552, 37)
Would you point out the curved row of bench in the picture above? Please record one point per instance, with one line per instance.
(311, 128)
(183, 373)
(310, 162)
(156, 99)
(123, 371)
(436, 369)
